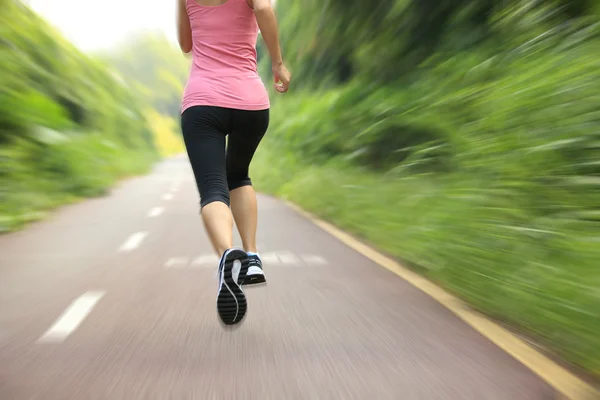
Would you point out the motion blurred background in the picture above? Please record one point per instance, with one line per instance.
(460, 136)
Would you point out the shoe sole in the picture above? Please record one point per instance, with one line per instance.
(231, 300)
(256, 278)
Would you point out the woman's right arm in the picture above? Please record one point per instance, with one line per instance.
(267, 23)
(184, 31)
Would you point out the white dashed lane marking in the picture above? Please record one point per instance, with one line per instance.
(177, 262)
(276, 259)
(133, 241)
(73, 316)
(175, 186)
(155, 212)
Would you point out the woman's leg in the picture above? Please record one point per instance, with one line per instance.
(249, 127)
(204, 131)
(218, 222)
(245, 212)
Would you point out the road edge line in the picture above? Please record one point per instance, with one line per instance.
(559, 378)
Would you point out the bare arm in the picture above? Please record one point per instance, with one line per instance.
(268, 28)
(184, 31)
(267, 22)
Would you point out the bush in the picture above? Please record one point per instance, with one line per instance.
(479, 167)
(68, 126)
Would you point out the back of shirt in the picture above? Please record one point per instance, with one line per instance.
(224, 71)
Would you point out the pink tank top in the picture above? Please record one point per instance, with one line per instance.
(224, 71)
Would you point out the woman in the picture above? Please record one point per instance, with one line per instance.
(225, 96)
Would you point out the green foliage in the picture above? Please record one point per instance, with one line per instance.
(156, 72)
(154, 69)
(469, 150)
(68, 127)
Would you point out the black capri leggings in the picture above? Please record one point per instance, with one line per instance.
(218, 169)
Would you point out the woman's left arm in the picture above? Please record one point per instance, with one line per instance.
(184, 31)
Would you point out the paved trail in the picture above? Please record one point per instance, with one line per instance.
(114, 298)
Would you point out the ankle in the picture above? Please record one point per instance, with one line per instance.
(250, 249)
(221, 251)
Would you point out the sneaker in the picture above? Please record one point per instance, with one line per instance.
(255, 273)
(231, 300)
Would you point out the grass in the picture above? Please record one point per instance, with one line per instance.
(39, 178)
(483, 242)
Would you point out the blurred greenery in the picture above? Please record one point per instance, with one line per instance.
(460, 136)
(156, 71)
(154, 68)
(71, 124)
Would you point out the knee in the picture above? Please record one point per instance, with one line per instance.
(237, 180)
(213, 190)
(211, 198)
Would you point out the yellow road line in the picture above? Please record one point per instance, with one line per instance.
(562, 380)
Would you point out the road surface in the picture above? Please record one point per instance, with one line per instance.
(114, 298)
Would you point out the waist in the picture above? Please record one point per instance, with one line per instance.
(214, 75)
(238, 85)
(208, 65)
(238, 93)
(208, 78)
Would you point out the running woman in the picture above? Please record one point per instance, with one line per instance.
(225, 96)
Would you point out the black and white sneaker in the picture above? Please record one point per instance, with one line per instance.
(255, 273)
(231, 300)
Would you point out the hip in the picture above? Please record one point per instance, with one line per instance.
(240, 92)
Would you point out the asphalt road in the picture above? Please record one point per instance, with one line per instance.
(114, 298)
